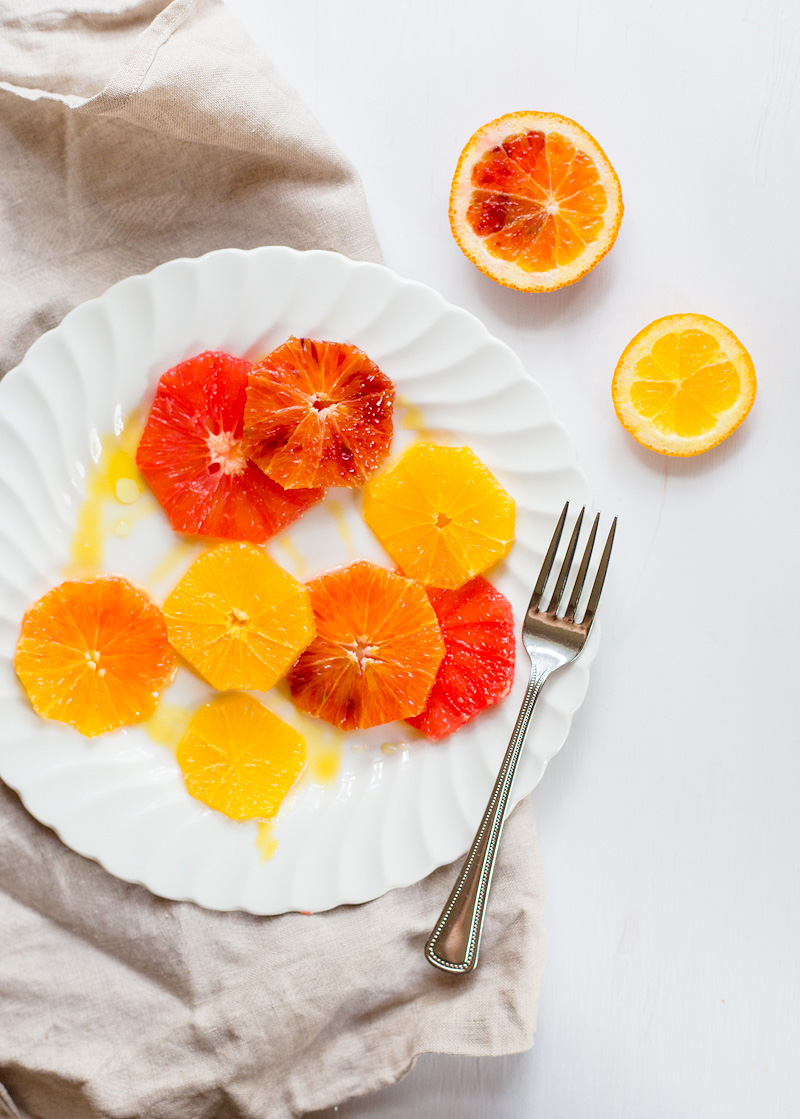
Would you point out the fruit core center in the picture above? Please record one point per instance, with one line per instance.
(320, 403)
(362, 652)
(442, 520)
(237, 618)
(92, 657)
(226, 453)
(552, 206)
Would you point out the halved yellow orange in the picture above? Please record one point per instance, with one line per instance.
(440, 514)
(535, 202)
(240, 758)
(683, 384)
(239, 618)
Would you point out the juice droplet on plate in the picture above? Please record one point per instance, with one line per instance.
(266, 842)
(167, 725)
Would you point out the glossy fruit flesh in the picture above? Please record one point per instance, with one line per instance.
(239, 618)
(477, 625)
(536, 201)
(94, 653)
(376, 653)
(440, 514)
(683, 384)
(240, 758)
(192, 456)
(318, 414)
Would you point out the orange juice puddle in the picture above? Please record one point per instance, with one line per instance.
(287, 545)
(167, 725)
(336, 510)
(113, 476)
(266, 842)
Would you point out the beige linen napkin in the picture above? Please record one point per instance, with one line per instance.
(131, 135)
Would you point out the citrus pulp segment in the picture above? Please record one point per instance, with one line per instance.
(440, 514)
(318, 414)
(192, 456)
(240, 758)
(94, 653)
(477, 625)
(239, 618)
(535, 203)
(377, 649)
(683, 384)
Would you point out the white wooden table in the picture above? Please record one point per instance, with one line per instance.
(669, 823)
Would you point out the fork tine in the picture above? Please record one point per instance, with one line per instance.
(580, 578)
(547, 562)
(558, 590)
(594, 597)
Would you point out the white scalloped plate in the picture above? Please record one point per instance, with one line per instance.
(399, 806)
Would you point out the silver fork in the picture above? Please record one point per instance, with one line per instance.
(551, 642)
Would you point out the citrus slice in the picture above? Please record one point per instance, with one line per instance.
(239, 618)
(683, 385)
(318, 414)
(237, 757)
(440, 514)
(377, 650)
(535, 203)
(477, 625)
(192, 456)
(94, 653)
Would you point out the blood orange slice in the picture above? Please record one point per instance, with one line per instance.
(477, 625)
(318, 414)
(377, 650)
(94, 653)
(535, 203)
(192, 456)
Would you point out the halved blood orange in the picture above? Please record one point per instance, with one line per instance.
(377, 650)
(240, 758)
(238, 617)
(535, 203)
(192, 456)
(94, 653)
(477, 625)
(318, 414)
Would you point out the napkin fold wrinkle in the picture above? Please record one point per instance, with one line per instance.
(133, 133)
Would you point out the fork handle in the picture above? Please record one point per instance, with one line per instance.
(454, 942)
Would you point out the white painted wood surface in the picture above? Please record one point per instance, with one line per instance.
(669, 822)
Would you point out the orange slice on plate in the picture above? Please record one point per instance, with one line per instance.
(683, 385)
(192, 456)
(377, 650)
(318, 414)
(94, 653)
(239, 618)
(440, 514)
(535, 203)
(240, 758)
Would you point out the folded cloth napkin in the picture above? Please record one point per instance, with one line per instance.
(133, 133)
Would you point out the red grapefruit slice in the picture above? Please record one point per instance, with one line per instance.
(318, 414)
(478, 668)
(192, 456)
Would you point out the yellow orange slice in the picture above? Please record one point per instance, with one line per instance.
(239, 618)
(94, 653)
(440, 514)
(240, 758)
(683, 385)
(535, 203)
